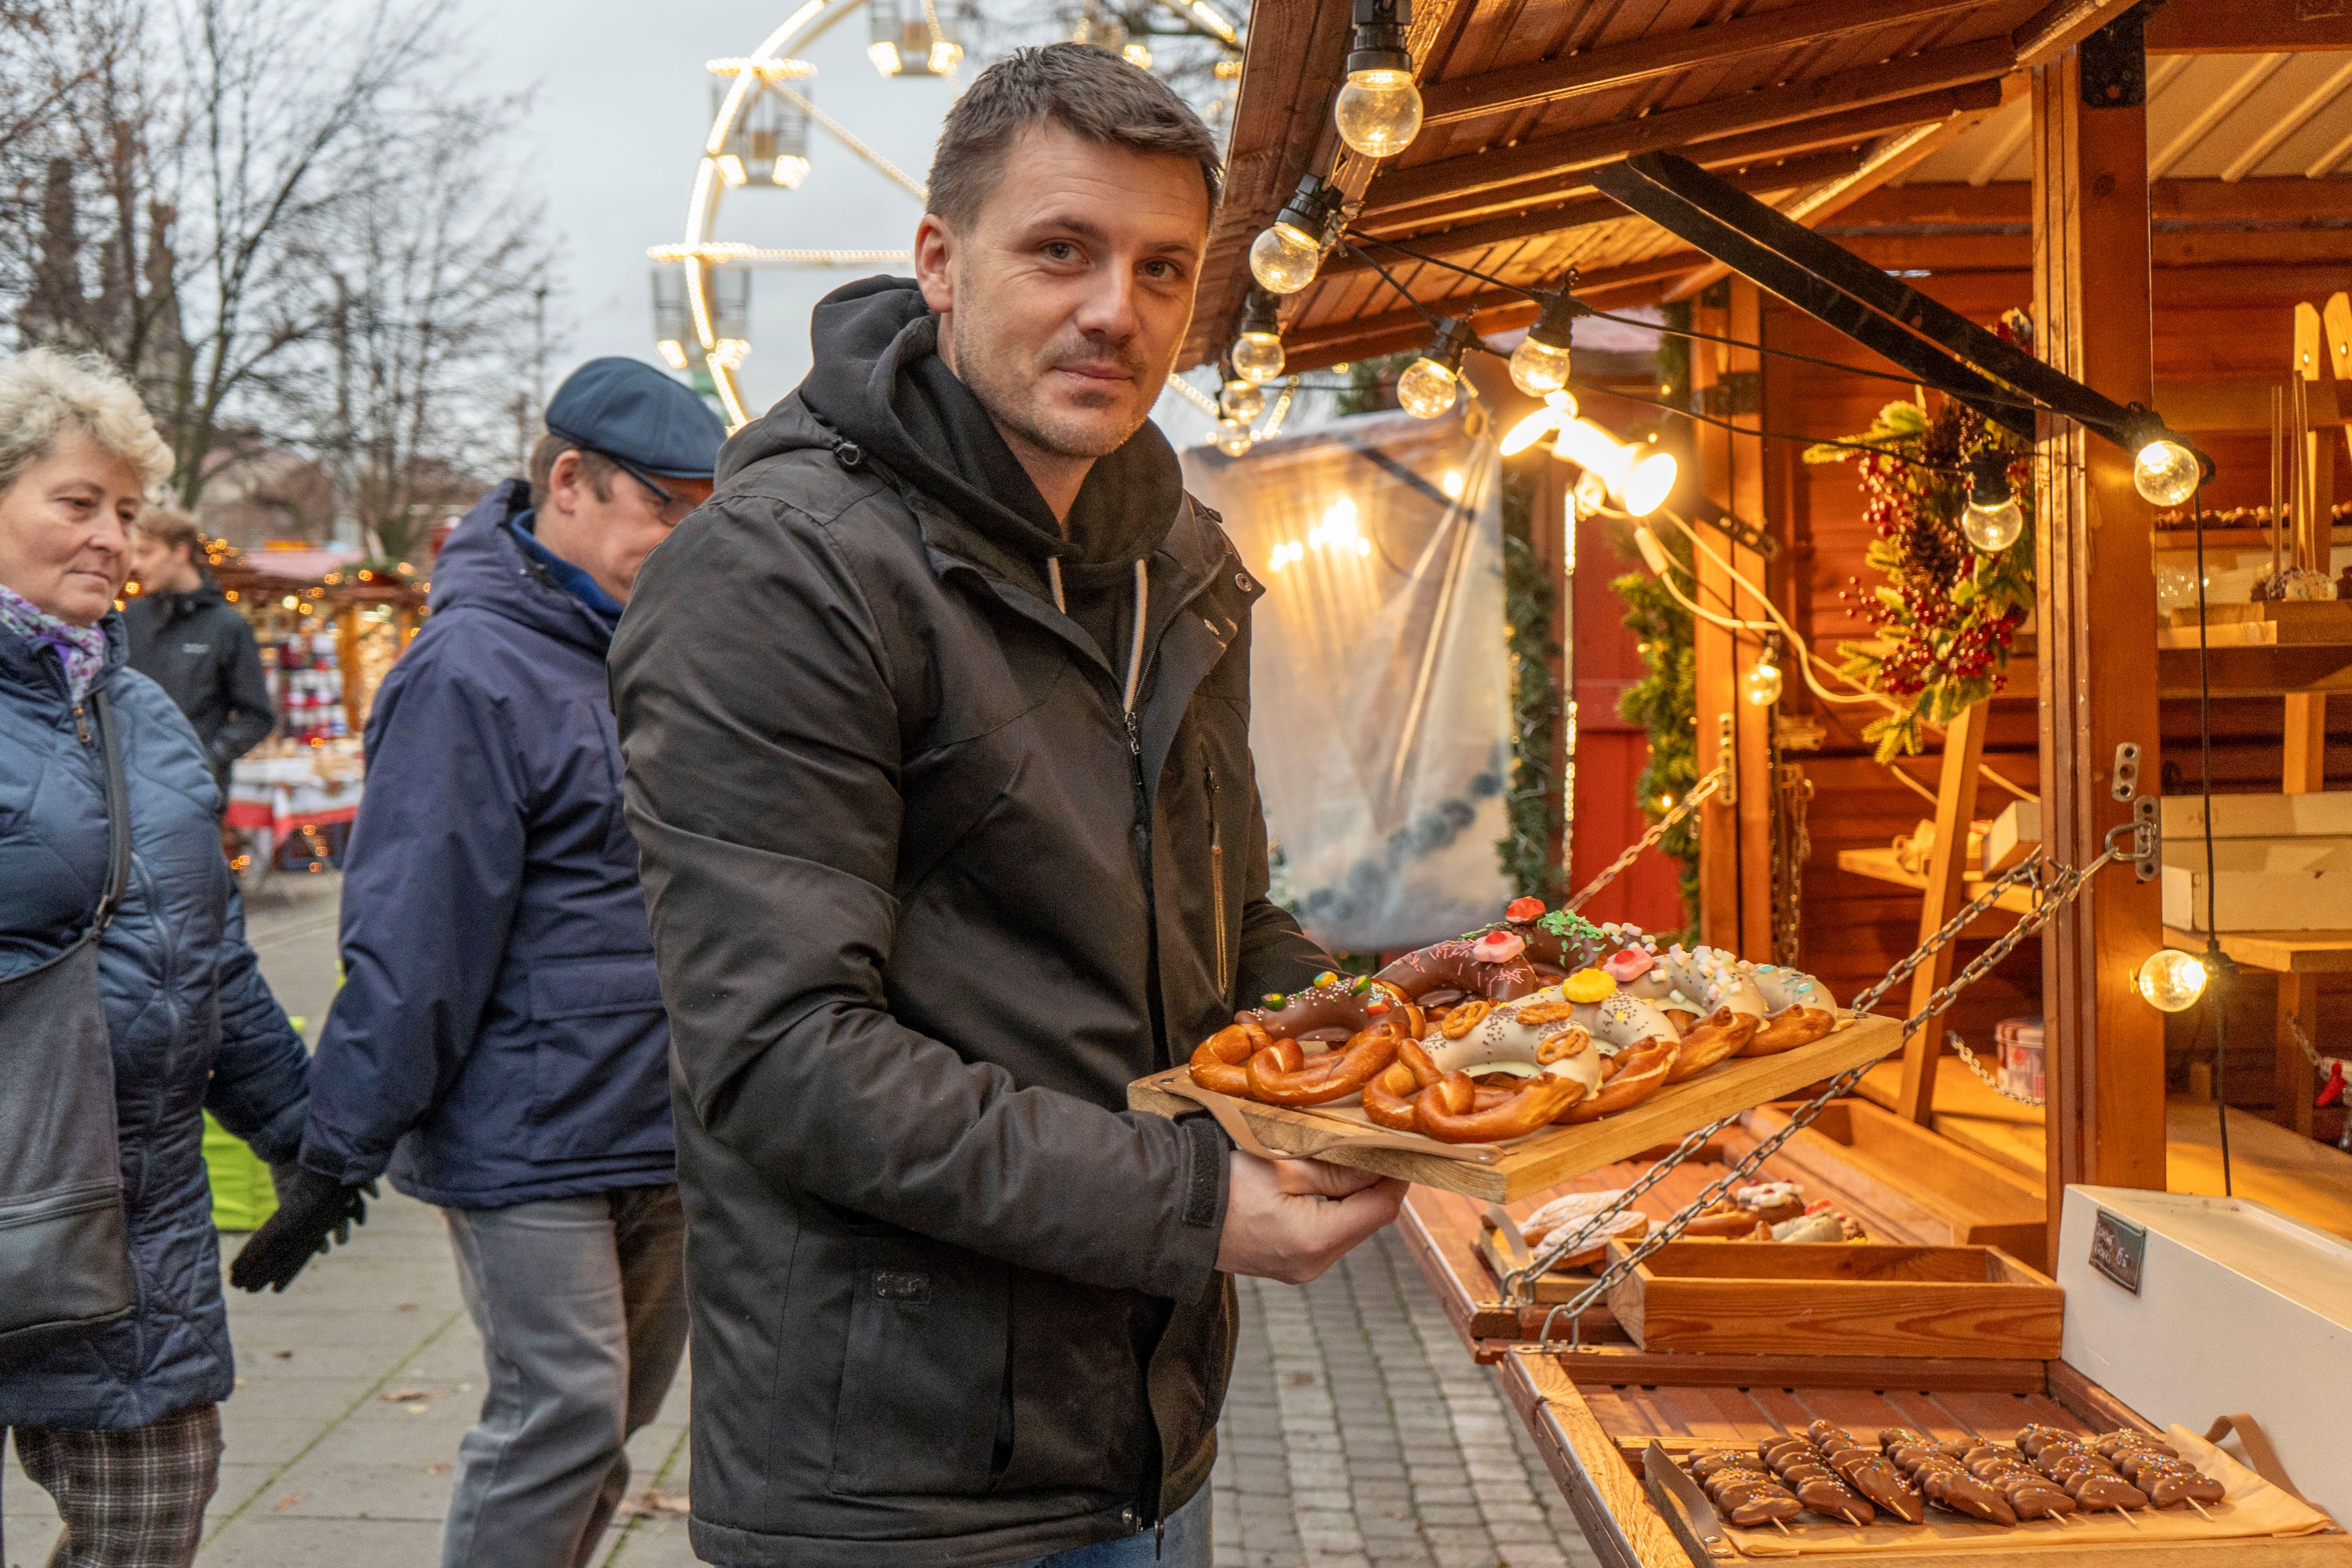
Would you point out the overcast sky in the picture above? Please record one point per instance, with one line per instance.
(621, 106)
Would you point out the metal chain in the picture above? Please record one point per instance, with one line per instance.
(2024, 871)
(2311, 1053)
(1969, 1060)
(1700, 793)
(2060, 891)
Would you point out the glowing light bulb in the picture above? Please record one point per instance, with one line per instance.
(1640, 482)
(1592, 491)
(1284, 258)
(1651, 482)
(1530, 430)
(2166, 473)
(1993, 528)
(790, 170)
(2171, 980)
(1378, 112)
(1257, 356)
(1539, 367)
(731, 169)
(673, 352)
(1137, 55)
(1242, 400)
(1232, 438)
(1761, 684)
(1426, 389)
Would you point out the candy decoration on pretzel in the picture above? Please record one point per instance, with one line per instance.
(1542, 1018)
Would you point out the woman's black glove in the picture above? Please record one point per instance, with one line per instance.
(314, 1213)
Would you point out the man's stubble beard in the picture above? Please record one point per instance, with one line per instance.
(1005, 405)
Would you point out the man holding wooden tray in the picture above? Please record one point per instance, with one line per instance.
(936, 722)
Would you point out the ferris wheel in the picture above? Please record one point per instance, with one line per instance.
(761, 117)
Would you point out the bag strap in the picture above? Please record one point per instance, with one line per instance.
(118, 815)
(2260, 1451)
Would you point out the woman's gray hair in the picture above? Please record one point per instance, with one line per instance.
(45, 394)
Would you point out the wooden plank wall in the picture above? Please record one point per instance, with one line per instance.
(2226, 322)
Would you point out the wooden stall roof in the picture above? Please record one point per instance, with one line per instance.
(1814, 105)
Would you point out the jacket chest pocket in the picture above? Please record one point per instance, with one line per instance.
(925, 1405)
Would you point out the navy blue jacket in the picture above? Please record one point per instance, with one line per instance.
(190, 1023)
(499, 1036)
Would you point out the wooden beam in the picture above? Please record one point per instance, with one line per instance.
(2094, 593)
(1839, 129)
(2246, 27)
(2293, 1082)
(1795, 173)
(2060, 26)
(1549, 82)
(2288, 199)
(1889, 160)
(1675, 129)
(2170, 249)
(1490, 310)
(1948, 872)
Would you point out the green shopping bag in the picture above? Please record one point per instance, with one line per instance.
(242, 1195)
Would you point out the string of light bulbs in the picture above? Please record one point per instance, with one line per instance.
(1377, 111)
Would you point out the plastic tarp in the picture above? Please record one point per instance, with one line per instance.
(1380, 685)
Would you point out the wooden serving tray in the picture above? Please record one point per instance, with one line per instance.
(1509, 1171)
(1592, 1436)
(1838, 1298)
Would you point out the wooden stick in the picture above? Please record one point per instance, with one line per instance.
(1785, 1529)
(2201, 1513)
(2127, 1517)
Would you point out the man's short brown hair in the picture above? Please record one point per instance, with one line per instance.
(1087, 91)
(172, 528)
(598, 470)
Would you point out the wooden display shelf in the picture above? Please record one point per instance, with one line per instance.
(1556, 1154)
(1440, 1230)
(2269, 1164)
(2285, 952)
(1592, 1436)
(1901, 1178)
(1977, 1303)
(1881, 866)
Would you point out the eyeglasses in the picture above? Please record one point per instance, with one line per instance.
(670, 509)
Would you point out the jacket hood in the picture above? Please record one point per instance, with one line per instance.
(482, 567)
(878, 380)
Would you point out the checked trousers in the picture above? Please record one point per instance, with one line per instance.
(130, 1498)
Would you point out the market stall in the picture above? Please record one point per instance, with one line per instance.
(329, 627)
(1974, 309)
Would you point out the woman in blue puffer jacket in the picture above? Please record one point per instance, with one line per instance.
(121, 1426)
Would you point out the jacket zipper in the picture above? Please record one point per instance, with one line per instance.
(1217, 869)
(81, 724)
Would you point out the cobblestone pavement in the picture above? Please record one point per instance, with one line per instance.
(1357, 1433)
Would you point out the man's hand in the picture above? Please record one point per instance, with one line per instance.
(1292, 1220)
(314, 1213)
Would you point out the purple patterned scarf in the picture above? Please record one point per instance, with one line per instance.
(81, 649)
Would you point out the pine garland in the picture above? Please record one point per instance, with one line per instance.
(1533, 803)
(1948, 613)
(1665, 701)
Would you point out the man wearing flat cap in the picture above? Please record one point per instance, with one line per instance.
(499, 1046)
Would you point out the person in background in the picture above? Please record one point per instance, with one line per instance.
(121, 1427)
(187, 639)
(936, 723)
(499, 1043)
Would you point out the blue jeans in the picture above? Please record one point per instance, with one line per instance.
(1185, 1545)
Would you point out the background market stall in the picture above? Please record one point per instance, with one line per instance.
(2144, 199)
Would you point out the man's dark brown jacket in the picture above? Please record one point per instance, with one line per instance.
(926, 896)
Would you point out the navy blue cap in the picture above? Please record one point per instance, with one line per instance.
(639, 417)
